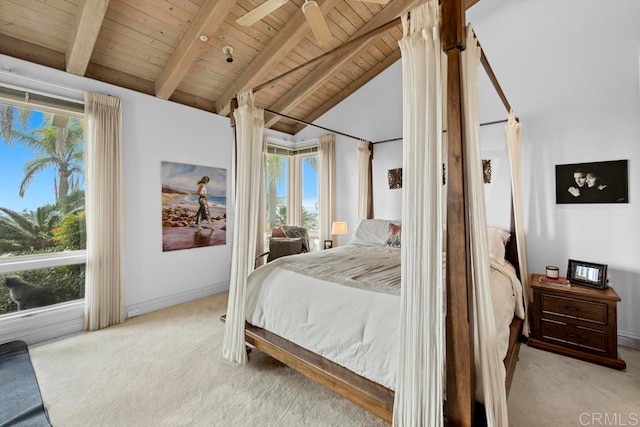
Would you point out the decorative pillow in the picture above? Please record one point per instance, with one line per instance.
(393, 238)
(371, 231)
(497, 240)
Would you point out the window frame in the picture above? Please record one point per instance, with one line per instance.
(57, 105)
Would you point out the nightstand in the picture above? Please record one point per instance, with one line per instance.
(579, 321)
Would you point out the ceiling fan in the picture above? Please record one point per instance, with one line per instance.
(311, 11)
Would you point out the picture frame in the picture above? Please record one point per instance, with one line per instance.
(594, 182)
(587, 273)
(328, 244)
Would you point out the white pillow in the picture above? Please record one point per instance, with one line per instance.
(498, 238)
(372, 231)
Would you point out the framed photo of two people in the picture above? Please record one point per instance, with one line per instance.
(596, 182)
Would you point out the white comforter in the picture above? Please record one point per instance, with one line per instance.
(348, 313)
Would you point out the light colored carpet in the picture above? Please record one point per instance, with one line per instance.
(165, 369)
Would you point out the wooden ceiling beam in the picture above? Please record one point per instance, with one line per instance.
(30, 52)
(323, 72)
(88, 24)
(206, 22)
(350, 89)
(276, 49)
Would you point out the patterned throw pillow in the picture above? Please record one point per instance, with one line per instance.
(395, 232)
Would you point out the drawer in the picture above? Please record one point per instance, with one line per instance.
(574, 309)
(579, 336)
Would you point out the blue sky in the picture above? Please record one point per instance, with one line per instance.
(12, 159)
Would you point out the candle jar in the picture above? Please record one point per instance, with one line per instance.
(553, 272)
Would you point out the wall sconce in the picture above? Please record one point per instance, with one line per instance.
(228, 51)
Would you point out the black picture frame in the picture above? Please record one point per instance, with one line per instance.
(587, 273)
(328, 244)
(595, 182)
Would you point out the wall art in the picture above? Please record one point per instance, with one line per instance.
(595, 182)
(194, 206)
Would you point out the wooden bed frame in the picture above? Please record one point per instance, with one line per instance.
(460, 399)
(365, 393)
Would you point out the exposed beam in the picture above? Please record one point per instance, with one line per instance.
(30, 52)
(276, 49)
(350, 89)
(323, 72)
(345, 48)
(88, 24)
(206, 22)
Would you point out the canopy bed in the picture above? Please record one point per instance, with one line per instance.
(422, 331)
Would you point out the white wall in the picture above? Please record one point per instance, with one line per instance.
(153, 130)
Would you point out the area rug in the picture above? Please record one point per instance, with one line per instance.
(20, 400)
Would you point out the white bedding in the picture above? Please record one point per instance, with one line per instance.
(344, 322)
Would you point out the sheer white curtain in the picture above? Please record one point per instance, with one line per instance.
(262, 203)
(104, 293)
(492, 371)
(419, 387)
(515, 164)
(327, 185)
(364, 170)
(249, 154)
(294, 206)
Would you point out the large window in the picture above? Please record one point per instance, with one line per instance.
(42, 218)
(309, 189)
(292, 191)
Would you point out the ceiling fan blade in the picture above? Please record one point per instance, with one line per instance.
(260, 12)
(375, 1)
(317, 22)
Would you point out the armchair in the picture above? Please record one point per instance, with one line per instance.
(286, 240)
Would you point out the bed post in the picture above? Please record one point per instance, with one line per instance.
(459, 322)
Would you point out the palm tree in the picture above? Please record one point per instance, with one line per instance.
(12, 118)
(27, 232)
(60, 148)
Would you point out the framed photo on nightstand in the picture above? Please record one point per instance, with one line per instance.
(328, 244)
(587, 274)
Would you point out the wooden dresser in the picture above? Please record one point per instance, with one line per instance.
(579, 321)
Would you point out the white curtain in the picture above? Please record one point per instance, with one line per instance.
(492, 371)
(294, 207)
(419, 387)
(515, 164)
(249, 154)
(364, 170)
(326, 186)
(262, 204)
(104, 292)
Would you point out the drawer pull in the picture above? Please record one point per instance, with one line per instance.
(568, 307)
(569, 334)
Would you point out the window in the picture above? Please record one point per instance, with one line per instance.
(309, 208)
(292, 190)
(42, 217)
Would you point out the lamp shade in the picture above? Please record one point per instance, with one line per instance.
(338, 228)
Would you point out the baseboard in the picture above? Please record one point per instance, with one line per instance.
(36, 326)
(627, 339)
(175, 299)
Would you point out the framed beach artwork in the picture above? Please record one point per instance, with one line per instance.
(595, 182)
(194, 206)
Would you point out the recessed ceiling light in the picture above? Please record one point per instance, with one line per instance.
(204, 38)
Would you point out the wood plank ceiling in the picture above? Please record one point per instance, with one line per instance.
(155, 47)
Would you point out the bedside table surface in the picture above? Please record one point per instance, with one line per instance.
(608, 293)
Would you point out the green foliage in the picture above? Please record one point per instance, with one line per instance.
(27, 232)
(66, 283)
(71, 234)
